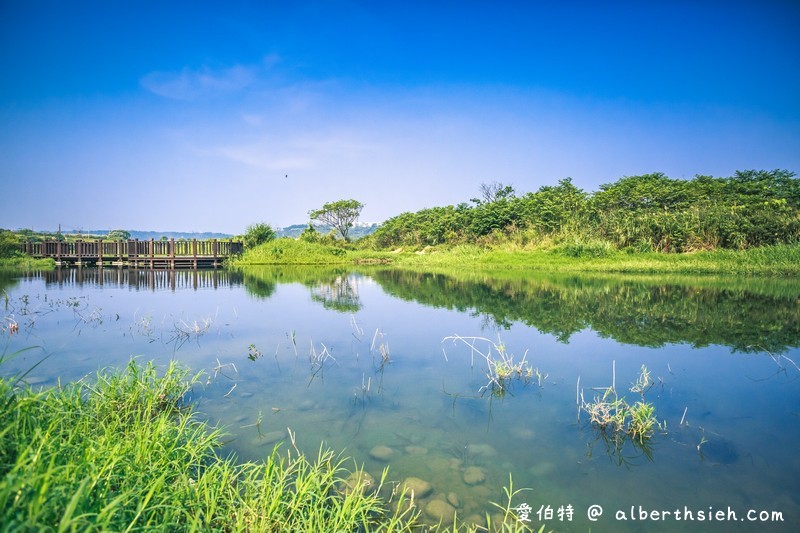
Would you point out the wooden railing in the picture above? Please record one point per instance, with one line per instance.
(181, 253)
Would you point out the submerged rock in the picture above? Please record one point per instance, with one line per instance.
(360, 482)
(481, 450)
(474, 475)
(453, 499)
(381, 453)
(307, 405)
(416, 450)
(419, 487)
(476, 520)
(441, 510)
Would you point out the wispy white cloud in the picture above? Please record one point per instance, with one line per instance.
(191, 84)
(304, 152)
(261, 156)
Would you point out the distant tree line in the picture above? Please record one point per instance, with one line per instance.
(651, 212)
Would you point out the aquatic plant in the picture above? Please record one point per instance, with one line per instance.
(183, 331)
(612, 414)
(381, 346)
(253, 353)
(502, 367)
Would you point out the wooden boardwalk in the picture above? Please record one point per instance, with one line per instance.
(135, 253)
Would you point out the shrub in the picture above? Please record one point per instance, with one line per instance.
(9, 245)
(258, 233)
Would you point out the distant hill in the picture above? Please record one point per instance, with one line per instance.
(356, 232)
(359, 230)
(147, 235)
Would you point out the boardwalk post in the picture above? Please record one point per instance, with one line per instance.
(194, 252)
(172, 256)
(215, 249)
(78, 252)
(119, 250)
(58, 252)
(99, 252)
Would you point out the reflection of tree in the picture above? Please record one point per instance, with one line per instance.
(335, 288)
(339, 294)
(258, 285)
(748, 315)
(7, 281)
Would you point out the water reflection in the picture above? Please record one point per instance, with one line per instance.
(138, 279)
(746, 315)
(335, 288)
(340, 294)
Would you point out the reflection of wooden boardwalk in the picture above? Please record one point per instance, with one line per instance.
(152, 253)
(141, 279)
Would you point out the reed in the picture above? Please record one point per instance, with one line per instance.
(125, 451)
(502, 367)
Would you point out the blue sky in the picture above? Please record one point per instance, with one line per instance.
(189, 116)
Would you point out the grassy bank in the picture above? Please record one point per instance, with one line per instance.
(125, 453)
(24, 262)
(781, 260)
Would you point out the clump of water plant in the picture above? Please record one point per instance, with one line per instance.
(253, 353)
(502, 367)
(612, 414)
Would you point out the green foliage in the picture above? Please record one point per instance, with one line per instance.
(749, 209)
(651, 212)
(579, 248)
(310, 234)
(9, 244)
(258, 233)
(119, 235)
(287, 251)
(341, 215)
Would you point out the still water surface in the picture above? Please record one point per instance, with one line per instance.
(366, 362)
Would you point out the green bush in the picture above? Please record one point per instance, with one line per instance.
(9, 244)
(258, 233)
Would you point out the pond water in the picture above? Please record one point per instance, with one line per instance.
(386, 366)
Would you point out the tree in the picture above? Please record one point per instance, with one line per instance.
(491, 192)
(340, 215)
(258, 233)
(119, 235)
(9, 244)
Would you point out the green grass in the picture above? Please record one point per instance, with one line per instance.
(23, 262)
(293, 252)
(124, 452)
(773, 260)
(578, 256)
